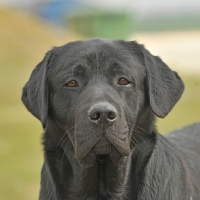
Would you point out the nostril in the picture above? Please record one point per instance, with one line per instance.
(102, 114)
(111, 116)
(95, 116)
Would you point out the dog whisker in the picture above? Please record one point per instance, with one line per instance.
(139, 135)
(67, 132)
(142, 129)
(137, 132)
(137, 144)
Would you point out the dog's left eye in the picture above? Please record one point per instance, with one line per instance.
(123, 81)
(72, 83)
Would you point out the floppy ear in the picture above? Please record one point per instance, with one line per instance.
(165, 87)
(35, 92)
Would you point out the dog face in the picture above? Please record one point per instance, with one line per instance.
(97, 94)
(96, 91)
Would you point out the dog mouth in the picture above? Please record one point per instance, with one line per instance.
(102, 152)
(113, 142)
(102, 158)
(103, 146)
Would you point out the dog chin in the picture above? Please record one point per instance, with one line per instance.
(102, 156)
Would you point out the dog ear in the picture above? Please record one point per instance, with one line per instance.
(35, 91)
(165, 87)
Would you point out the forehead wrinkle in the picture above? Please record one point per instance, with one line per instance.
(114, 65)
(100, 55)
(87, 56)
(92, 57)
(66, 72)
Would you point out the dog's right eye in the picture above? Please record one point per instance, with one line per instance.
(71, 84)
(123, 81)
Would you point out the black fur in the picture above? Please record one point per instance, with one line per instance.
(100, 141)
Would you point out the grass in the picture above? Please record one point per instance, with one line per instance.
(24, 40)
(187, 110)
(20, 154)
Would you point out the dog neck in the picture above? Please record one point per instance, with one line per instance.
(165, 175)
(104, 180)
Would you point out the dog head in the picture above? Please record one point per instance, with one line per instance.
(97, 91)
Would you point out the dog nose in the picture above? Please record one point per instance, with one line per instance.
(102, 114)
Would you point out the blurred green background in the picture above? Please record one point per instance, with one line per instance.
(24, 39)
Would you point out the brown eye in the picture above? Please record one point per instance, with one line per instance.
(72, 83)
(123, 81)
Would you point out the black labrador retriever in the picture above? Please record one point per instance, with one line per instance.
(97, 101)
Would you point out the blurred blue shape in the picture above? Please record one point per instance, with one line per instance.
(57, 11)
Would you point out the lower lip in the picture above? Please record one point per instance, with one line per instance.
(102, 149)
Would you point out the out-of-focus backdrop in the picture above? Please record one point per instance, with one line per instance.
(170, 29)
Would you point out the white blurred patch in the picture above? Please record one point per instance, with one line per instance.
(180, 50)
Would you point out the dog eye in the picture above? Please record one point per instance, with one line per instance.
(123, 81)
(72, 83)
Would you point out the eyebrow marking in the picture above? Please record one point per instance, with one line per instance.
(73, 68)
(77, 67)
(116, 65)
